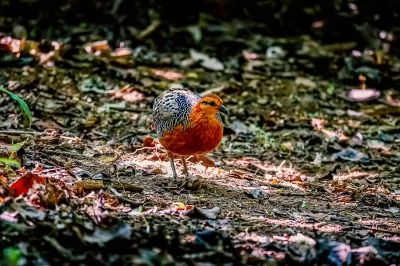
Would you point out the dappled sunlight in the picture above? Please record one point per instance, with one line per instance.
(245, 177)
(302, 224)
(319, 125)
(355, 175)
(382, 223)
(283, 175)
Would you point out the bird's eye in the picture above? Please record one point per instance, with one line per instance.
(212, 103)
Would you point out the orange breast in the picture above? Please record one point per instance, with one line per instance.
(203, 137)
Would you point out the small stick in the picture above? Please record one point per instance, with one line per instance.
(123, 199)
(22, 132)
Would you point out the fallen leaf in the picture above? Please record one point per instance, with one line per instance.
(392, 101)
(107, 158)
(318, 124)
(10, 44)
(239, 127)
(96, 210)
(340, 253)
(168, 74)
(363, 95)
(255, 193)
(354, 113)
(305, 82)
(198, 212)
(209, 213)
(27, 211)
(366, 253)
(203, 159)
(86, 185)
(377, 145)
(275, 181)
(157, 171)
(149, 142)
(9, 216)
(207, 238)
(249, 55)
(158, 157)
(102, 236)
(22, 185)
(275, 52)
(129, 94)
(98, 48)
(3, 180)
(13, 256)
(356, 140)
(196, 32)
(206, 61)
(302, 239)
(121, 52)
(179, 206)
(350, 154)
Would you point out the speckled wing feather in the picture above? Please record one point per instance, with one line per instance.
(172, 108)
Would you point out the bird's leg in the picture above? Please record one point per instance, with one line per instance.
(171, 161)
(189, 182)
(185, 168)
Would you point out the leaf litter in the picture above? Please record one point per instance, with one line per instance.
(303, 175)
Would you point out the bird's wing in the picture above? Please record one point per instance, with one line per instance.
(172, 108)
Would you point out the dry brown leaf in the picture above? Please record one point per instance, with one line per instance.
(204, 160)
(129, 94)
(168, 74)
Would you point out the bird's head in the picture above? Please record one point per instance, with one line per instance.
(211, 104)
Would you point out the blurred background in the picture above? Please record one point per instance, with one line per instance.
(328, 21)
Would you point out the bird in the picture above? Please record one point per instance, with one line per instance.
(188, 124)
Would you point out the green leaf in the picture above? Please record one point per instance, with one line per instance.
(17, 146)
(22, 104)
(305, 204)
(13, 256)
(196, 33)
(331, 89)
(10, 162)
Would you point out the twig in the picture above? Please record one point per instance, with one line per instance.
(123, 199)
(295, 194)
(116, 6)
(133, 204)
(125, 186)
(111, 163)
(73, 154)
(149, 30)
(213, 90)
(134, 110)
(359, 227)
(146, 223)
(171, 188)
(380, 230)
(102, 184)
(22, 132)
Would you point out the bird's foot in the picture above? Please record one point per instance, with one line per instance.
(172, 182)
(188, 182)
(191, 183)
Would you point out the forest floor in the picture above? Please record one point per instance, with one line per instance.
(307, 172)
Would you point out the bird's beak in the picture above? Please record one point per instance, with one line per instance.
(223, 110)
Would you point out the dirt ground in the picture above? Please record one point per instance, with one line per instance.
(303, 175)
